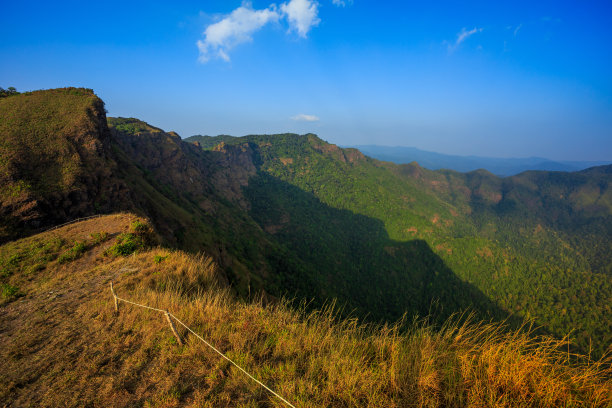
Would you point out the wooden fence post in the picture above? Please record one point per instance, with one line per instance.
(115, 298)
(178, 338)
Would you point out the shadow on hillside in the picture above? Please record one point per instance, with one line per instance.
(335, 253)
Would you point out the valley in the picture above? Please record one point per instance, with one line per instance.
(291, 223)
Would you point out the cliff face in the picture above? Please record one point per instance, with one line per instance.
(234, 165)
(59, 160)
(184, 170)
(163, 157)
(55, 160)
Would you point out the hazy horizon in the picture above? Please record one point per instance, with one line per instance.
(511, 80)
(474, 156)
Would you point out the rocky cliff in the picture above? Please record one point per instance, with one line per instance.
(55, 160)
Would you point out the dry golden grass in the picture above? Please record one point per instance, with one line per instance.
(72, 350)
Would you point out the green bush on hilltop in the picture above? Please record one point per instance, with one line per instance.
(10, 91)
(140, 236)
(130, 125)
(99, 237)
(9, 292)
(159, 258)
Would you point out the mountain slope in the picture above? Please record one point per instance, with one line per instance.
(61, 343)
(294, 216)
(60, 161)
(520, 241)
(221, 191)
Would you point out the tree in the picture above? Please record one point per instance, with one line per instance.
(8, 92)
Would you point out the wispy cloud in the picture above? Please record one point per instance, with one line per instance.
(238, 27)
(305, 118)
(462, 36)
(302, 15)
(518, 27)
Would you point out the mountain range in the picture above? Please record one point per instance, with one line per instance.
(292, 216)
(498, 166)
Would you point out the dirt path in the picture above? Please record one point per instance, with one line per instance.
(54, 315)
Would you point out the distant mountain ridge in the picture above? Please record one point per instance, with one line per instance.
(498, 166)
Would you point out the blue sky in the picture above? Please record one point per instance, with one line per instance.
(504, 79)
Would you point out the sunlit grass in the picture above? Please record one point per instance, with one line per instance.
(81, 353)
(318, 359)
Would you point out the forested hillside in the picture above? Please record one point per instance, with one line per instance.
(537, 245)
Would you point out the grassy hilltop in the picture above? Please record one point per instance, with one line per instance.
(62, 344)
(54, 162)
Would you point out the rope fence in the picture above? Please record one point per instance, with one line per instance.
(73, 221)
(170, 316)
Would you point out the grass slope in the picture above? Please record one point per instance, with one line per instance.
(62, 344)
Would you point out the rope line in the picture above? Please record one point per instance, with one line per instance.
(145, 306)
(228, 359)
(73, 221)
(205, 342)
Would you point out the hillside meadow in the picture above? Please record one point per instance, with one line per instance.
(61, 342)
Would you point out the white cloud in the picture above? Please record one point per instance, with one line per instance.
(462, 36)
(238, 27)
(518, 27)
(305, 118)
(302, 15)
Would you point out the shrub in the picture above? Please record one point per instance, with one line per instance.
(141, 236)
(9, 292)
(126, 244)
(159, 258)
(8, 92)
(144, 231)
(73, 253)
(98, 237)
